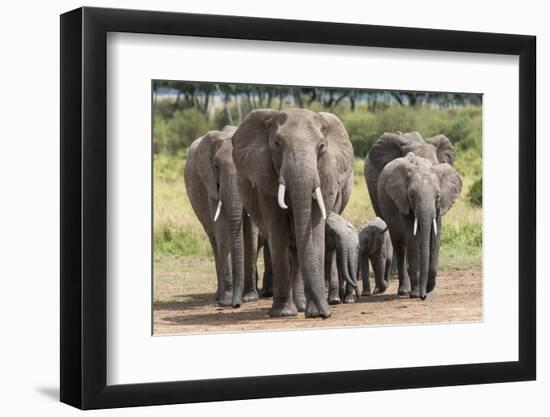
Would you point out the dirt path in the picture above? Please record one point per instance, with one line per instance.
(457, 298)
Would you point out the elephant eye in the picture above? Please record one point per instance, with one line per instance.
(277, 144)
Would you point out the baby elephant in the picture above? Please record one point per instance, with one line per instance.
(375, 245)
(341, 240)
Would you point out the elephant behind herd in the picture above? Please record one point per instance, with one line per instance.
(276, 177)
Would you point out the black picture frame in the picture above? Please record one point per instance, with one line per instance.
(84, 207)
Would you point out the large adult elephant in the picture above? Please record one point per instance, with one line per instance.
(310, 155)
(211, 183)
(413, 195)
(390, 146)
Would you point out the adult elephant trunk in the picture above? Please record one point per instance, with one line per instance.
(234, 216)
(302, 182)
(424, 232)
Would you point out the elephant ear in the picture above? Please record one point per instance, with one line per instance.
(388, 147)
(336, 134)
(339, 157)
(396, 183)
(414, 136)
(444, 148)
(204, 154)
(451, 186)
(229, 130)
(251, 152)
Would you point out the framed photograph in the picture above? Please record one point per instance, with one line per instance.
(256, 208)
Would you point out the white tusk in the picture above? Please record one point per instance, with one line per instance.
(435, 227)
(218, 209)
(319, 198)
(281, 196)
(415, 226)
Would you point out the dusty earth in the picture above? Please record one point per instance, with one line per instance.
(456, 298)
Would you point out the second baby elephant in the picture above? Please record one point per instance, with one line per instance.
(375, 246)
(211, 183)
(342, 242)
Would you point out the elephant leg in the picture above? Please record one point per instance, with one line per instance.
(226, 299)
(434, 258)
(334, 283)
(219, 273)
(267, 287)
(279, 243)
(379, 267)
(364, 271)
(312, 311)
(250, 233)
(413, 269)
(331, 277)
(393, 266)
(387, 269)
(328, 268)
(297, 282)
(404, 281)
(224, 261)
(341, 284)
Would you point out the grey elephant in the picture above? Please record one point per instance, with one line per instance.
(437, 149)
(211, 183)
(342, 244)
(375, 246)
(413, 195)
(294, 166)
(390, 146)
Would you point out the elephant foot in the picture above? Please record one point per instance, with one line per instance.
(226, 300)
(431, 285)
(380, 290)
(415, 293)
(313, 312)
(334, 296)
(251, 295)
(285, 309)
(300, 302)
(349, 299)
(365, 293)
(403, 291)
(334, 300)
(236, 303)
(267, 293)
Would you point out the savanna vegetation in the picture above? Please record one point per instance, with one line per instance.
(184, 111)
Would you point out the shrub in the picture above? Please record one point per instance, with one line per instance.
(361, 130)
(159, 134)
(183, 128)
(475, 195)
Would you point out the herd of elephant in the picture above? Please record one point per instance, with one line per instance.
(282, 178)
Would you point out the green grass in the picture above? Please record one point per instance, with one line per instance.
(178, 233)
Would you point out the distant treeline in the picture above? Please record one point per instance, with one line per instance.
(184, 111)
